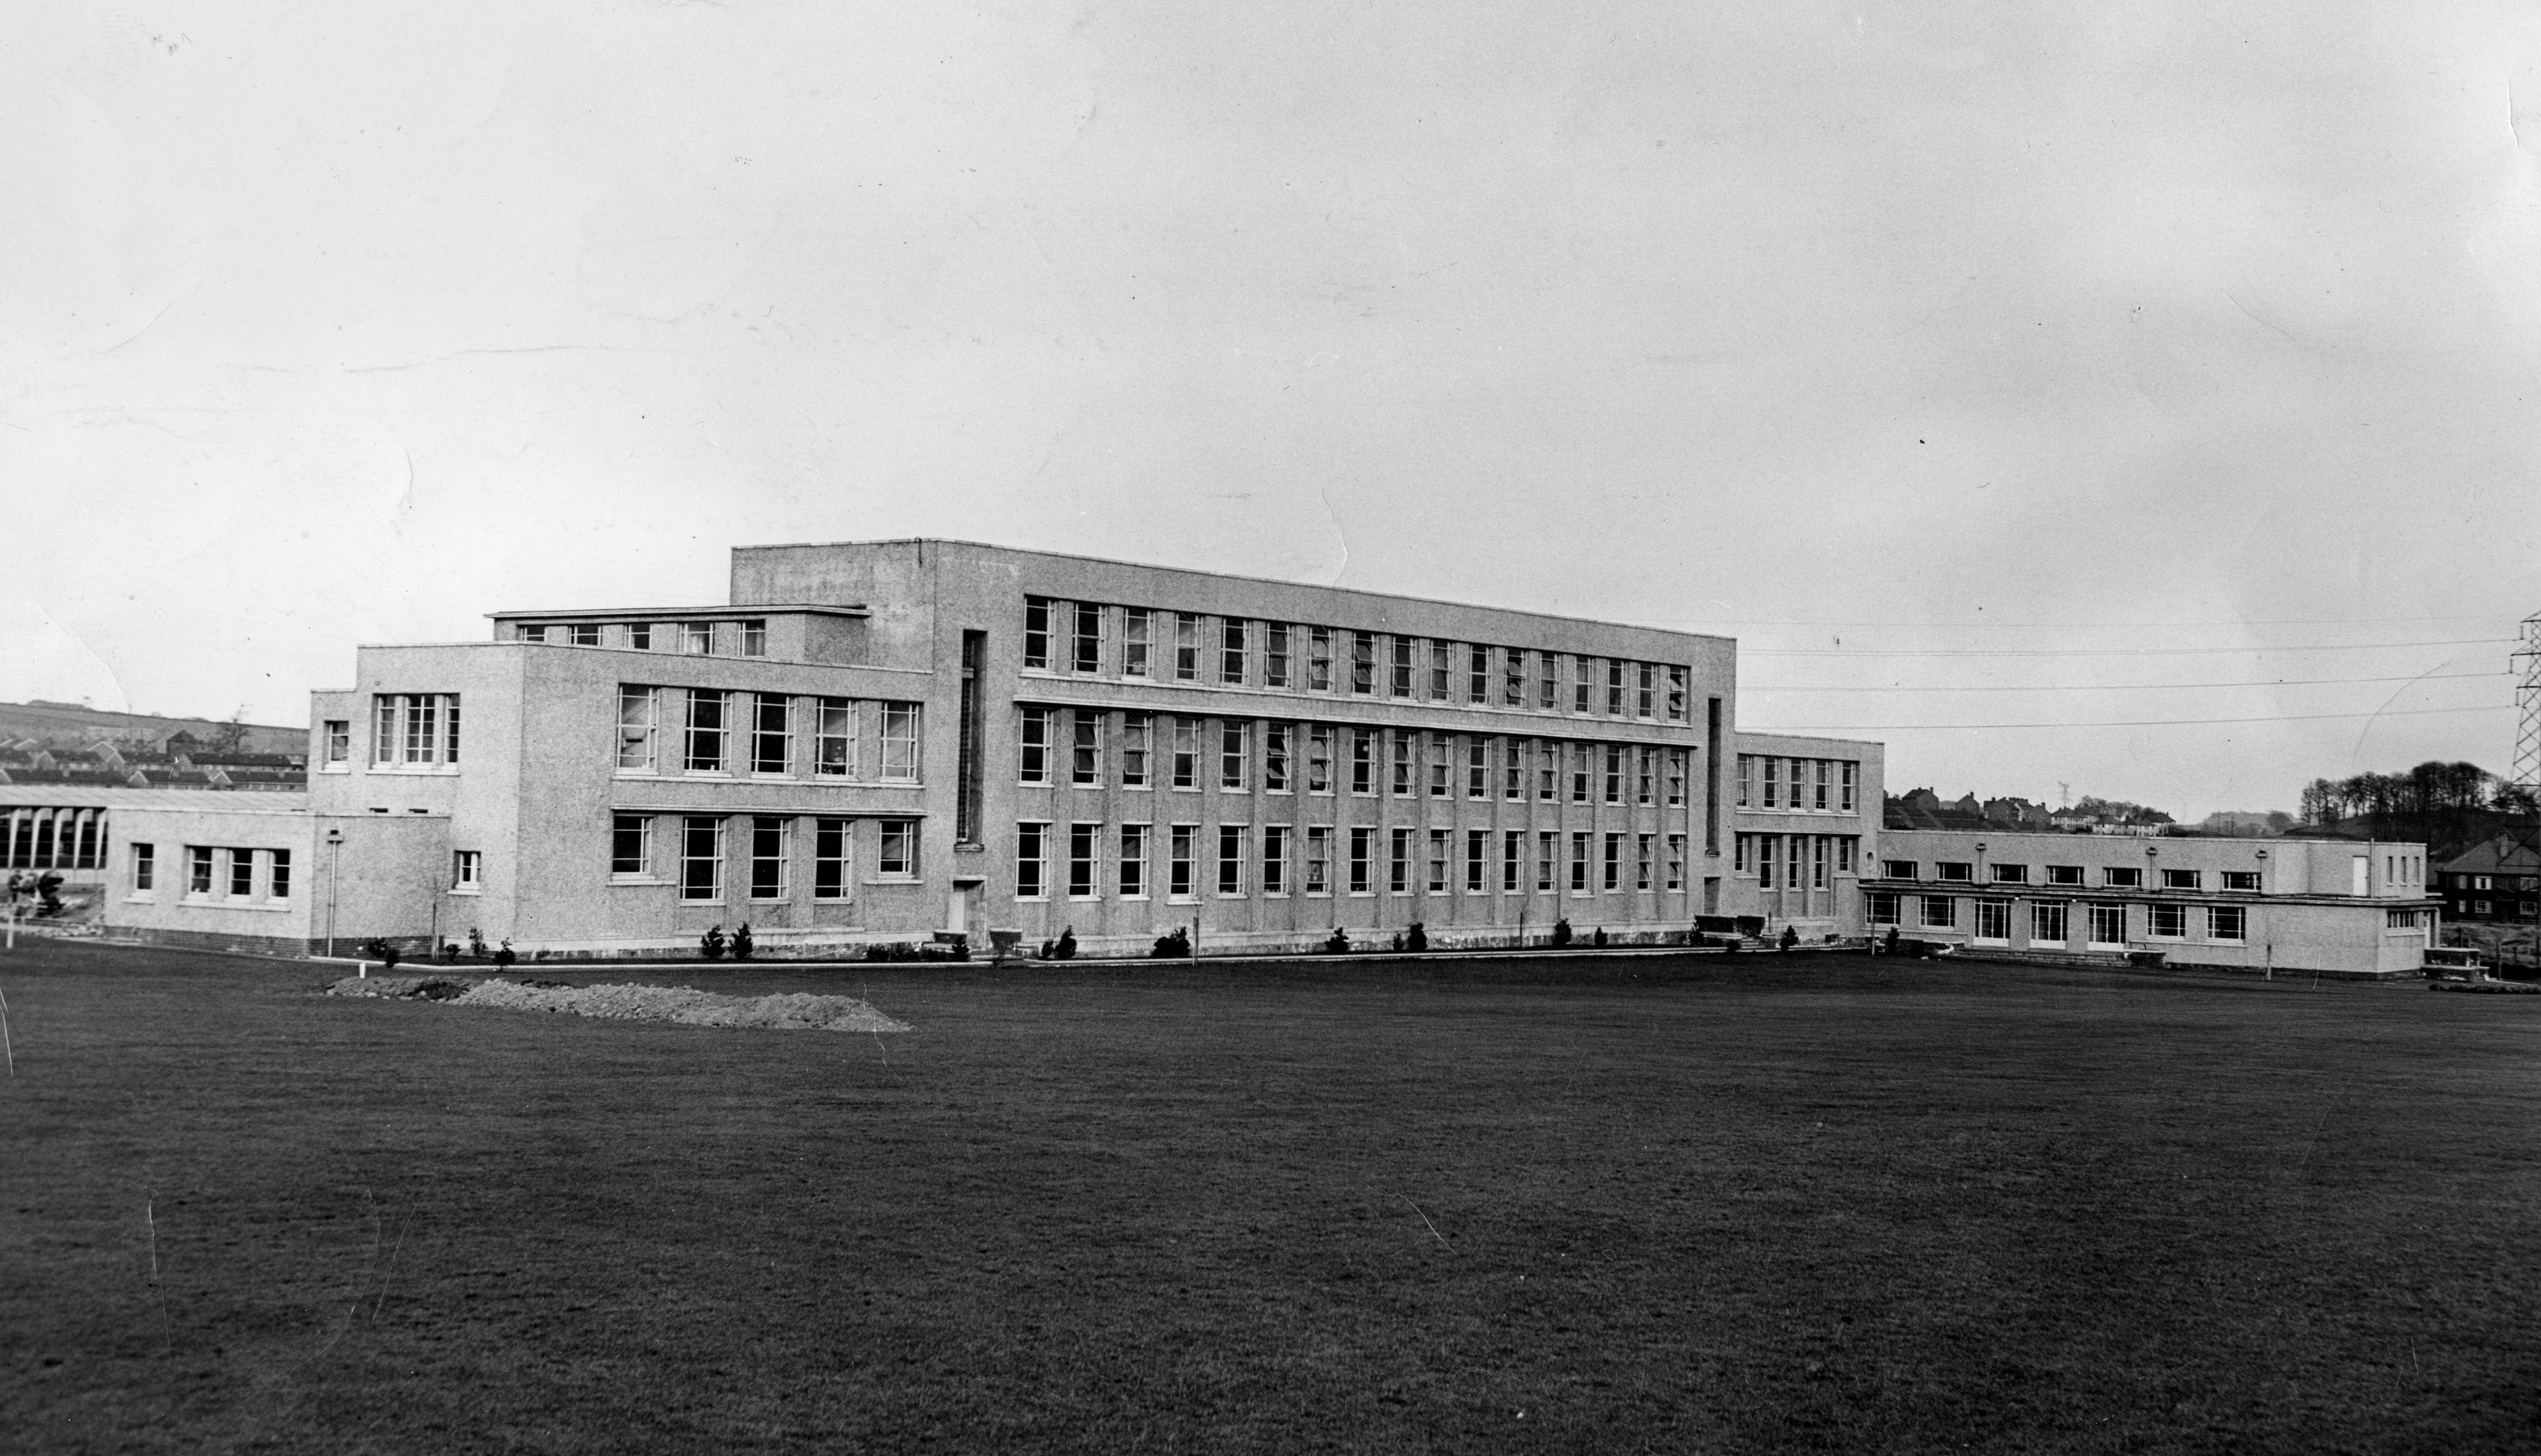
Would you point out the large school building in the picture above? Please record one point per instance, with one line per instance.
(882, 741)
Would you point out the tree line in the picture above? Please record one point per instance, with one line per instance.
(2433, 790)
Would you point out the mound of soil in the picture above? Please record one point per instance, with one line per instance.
(679, 1004)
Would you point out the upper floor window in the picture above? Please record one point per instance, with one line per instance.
(2183, 879)
(754, 637)
(638, 727)
(1135, 624)
(1951, 869)
(1613, 688)
(2123, 878)
(1036, 632)
(2064, 874)
(1230, 654)
(1402, 667)
(1036, 745)
(1438, 671)
(1364, 663)
(1898, 870)
(1478, 674)
(415, 729)
(900, 752)
(1088, 654)
(1646, 704)
(1581, 685)
(1274, 655)
(2012, 874)
(339, 741)
(1512, 676)
(639, 636)
(835, 746)
(1319, 659)
(1676, 679)
(706, 751)
(587, 633)
(1186, 647)
(2242, 880)
(697, 637)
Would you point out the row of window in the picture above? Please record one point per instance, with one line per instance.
(2497, 908)
(1806, 785)
(409, 730)
(747, 637)
(1093, 749)
(1093, 638)
(765, 734)
(1280, 859)
(2113, 877)
(52, 838)
(2491, 882)
(2051, 922)
(215, 872)
(702, 845)
(1795, 861)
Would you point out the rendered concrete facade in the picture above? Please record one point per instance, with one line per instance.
(1807, 813)
(2341, 906)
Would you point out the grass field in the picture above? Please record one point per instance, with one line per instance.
(1755, 1204)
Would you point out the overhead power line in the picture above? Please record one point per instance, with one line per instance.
(2099, 651)
(2127, 722)
(2144, 687)
(2092, 625)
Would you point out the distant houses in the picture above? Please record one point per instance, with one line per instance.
(178, 763)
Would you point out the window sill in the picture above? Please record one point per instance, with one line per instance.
(335, 768)
(417, 770)
(470, 891)
(142, 897)
(639, 880)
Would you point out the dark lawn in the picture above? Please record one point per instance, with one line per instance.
(1763, 1204)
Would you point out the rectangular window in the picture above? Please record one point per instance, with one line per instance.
(1941, 912)
(1274, 758)
(1478, 767)
(1580, 864)
(1362, 851)
(1230, 858)
(771, 839)
(835, 745)
(1883, 907)
(415, 729)
(1275, 654)
(1319, 659)
(1642, 781)
(1544, 847)
(242, 873)
(639, 711)
(1133, 861)
(2011, 874)
(1402, 684)
(1436, 752)
(1319, 758)
(2064, 874)
(1955, 871)
(1772, 783)
(2128, 878)
(1087, 642)
(639, 636)
(2231, 922)
(1186, 752)
(1676, 861)
(1362, 762)
(1402, 765)
(2241, 881)
(1548, 770)
(1512, 861)
(1440, 655)
(339, 741)
(1993, 921)
(1646, 704)
(1513, 753)
(1036, 632)
(2169, 921)
(1182, 846)
(198, 869)
(1478, 674)
(1234, 739)
(1364, 663)
(1085, 760)
(900, 759)
(1514, 677)
(1034, 765)
(1478, 859)
(277, 885)
(1032, 861)
(1082, 839)
(1230, 656)
(1678, 762)
(1136, 730)
(753, 636)
(1676, 684)
(1438, 861)
(1135, 624)
(2183, 879)
(1844, 846)
(701, 858)
(145, 867)
(1614, 861)
(1641, 860)
(1851, 774)
(1614, 773)
(1186, 647)
(1319, 861)
(705, 737)
(630, 846)
(697, 637)
(1746, 779)
(1824, 777)
(1398, 863)
(1614, 688)
(1769, 854)
(1582, 683)
(2108, 926)
(467, 871)
(896, 858)
(2046, 923)
(1274, 860)
(771, 733)
(830, 859)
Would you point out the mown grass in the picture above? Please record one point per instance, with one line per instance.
(1763, 1205)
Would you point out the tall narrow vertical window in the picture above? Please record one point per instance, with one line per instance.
(639, 713)
(1676, 861)
(1512, 859)
(1032, 861)
(1773, 782)
(1230, 651)
(1230, 858)
(895, 849)
(1440, 654)
(1746, 779)
(1438, 861)
(1614, 773)
(1085, 760)
(1362, 854)
(1677, 761)
(242, 873)
(1641, 860)
(970, 741)
(831, 850)
(1580, 772)
(1133, 861)
(1614, 688)
(1851, 773)
(145, 867)
(1088, 654)
(1402, 763)
(1817, 861)
(1649, 763)
(1319, 861)
(1614, 861)
(1478, 858)
(1544, 853)
(1582, 684)
(1402, 684)
(1513, 752)
(1478, 674)
(630, 846)
(1791, 868)
(1514, 677)
(1186, 647)
(1274, 859)
(1035, 744)
(837, 746)
(1274, 758)
(771, 837)
(1579, 863)
(1319, 758)
(1083, 844)
(466, 872)
(1275, 654)
(1398, 864)
(1362, 760)
(1438, 752)
(1319, 659)
(198, 869)
(1478, 767)
(1135, 624)
(900, 756)
(1036, 632)
(1821, 783)
(771, 734)
(1364, 663)
(1676, 679)
(1186, 752)
(697, 637)
(1845, 847)
(1548, 770)
(700, 858)
(339, 742)
(278, 882)
(1769, 851)
(1138, 733)
(707, 753)
(1181, 850)
(1234, 738)
(1548, 683)
(753, 636)
(1646, 704)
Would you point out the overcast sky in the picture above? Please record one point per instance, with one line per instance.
(1843, 329)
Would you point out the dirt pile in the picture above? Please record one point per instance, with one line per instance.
(679, 1004)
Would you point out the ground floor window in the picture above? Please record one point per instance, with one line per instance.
(1676, 862)
(2227, 923)
(1032, 871)
(830, 852)
(1941, 912)
(467, 871)
(630, 845)
(1081, 842)
(1274, 859)
(1230, 858)
(1438, 861)
(1183, 847)
(2169, 921)
(2108, 926)
(896, 859)
(2398, 919)
(1993, 920)
(1397, 867)
(145, 863)
(1133, 861)
(1362, 854)
(242, 873)
(771, 838)
(198, 869)
(701, 859)
(2046, 923)
(1883, 907)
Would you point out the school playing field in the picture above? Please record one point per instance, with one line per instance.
(1751, 1203)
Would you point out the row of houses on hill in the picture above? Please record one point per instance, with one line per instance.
(179, 763)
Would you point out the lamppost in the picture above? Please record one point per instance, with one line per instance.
(334, 877)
